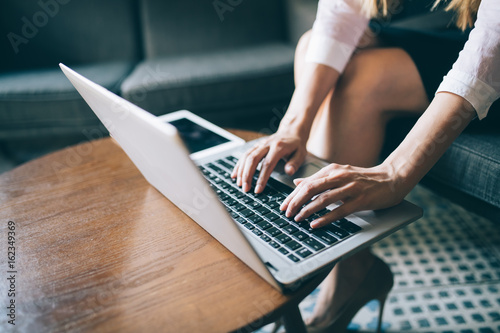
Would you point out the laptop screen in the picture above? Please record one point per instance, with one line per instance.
(195, 137)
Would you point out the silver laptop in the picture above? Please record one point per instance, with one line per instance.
(283, 252)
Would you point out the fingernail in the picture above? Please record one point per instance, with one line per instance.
(246, 187)
(238, 181)
(290, 169)
(258, 188)
(298, 217)
(314, 224)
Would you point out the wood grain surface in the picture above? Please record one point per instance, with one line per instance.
(99, 249)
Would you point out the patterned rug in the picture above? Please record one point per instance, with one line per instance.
(446, 269)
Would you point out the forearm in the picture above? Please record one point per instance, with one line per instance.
(316, 82)
(445, 118)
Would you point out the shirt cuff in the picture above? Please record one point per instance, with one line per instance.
(478, 93)
(328, 51)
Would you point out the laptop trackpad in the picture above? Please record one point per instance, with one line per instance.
(307, 169)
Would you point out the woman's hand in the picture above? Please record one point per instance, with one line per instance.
(283, 144)
(357, 188)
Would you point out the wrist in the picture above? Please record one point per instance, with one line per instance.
(400, 172)
(295, 125)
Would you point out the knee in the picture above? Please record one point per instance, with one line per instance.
(301, 49)
(300, 54)
(365, 79)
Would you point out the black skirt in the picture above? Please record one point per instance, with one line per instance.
(432, 52)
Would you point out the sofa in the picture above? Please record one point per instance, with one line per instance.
(230, 61)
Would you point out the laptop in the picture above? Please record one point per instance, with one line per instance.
(283, 252)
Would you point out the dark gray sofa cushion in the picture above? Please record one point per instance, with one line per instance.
(472, 164)
(191, 26)
(43, 102)
(213, 80)
(40, 34)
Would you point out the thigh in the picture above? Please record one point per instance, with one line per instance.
(381, 81)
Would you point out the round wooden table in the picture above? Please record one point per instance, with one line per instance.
(99, 249)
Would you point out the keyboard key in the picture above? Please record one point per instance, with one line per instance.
(263, 198)
(293, 258)
(257, 232)
(271, 217)
(239, 195)
(273, 204)
(239, 207)
(280, 186)
(348, 226)
(255, 218)
(265, 238)
(304, 226)
(339, 233)
(247, 200)
(274, 244)
(230, 202)
(293, 245)
(282, 238)
(246, 212)
(282, 250)
(263, 210)
(313, 244)
(226, 164)
(255, 205)
(273, 231)
(215, 167)
(281, 223)
(264, 225)
(234, 215)
(240, 220)
(232, 159)
(249, 226)
(325, 237)
(299, 235)
(290, 229)
(303, 252)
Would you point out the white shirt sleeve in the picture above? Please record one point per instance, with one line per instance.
(336, 32)
(476, 74)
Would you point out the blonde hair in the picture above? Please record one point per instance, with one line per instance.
(466, 10)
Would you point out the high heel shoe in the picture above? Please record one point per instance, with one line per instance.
(376, 285)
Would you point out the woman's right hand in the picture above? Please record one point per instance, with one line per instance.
(283, 144)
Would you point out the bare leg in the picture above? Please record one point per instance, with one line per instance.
(377, 85)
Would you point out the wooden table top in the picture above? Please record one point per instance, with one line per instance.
(99, 249)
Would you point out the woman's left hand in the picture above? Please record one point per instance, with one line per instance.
(357, 188)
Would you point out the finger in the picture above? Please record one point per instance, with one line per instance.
(295, 162)
(241, 163)
(250, 166)
(320, 174)
(234, 172)
(268, 164)
(307, 190)
(297, 181)
(341, 211)
(321, 201)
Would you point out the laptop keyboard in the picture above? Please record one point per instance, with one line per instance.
(260, 215)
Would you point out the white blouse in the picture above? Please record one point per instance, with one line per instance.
(475, 75)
